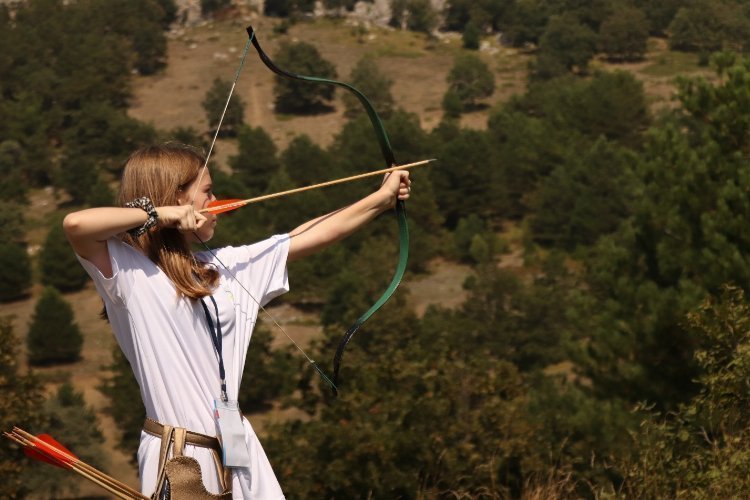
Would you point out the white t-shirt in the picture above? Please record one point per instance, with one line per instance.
(167, 342)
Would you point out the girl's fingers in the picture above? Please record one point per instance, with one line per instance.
(200, 219)
(405, 187)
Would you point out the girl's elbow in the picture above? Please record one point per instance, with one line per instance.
(72, 224)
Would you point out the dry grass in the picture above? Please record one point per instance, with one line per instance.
(173, 98)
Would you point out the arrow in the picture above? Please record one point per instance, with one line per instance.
(221, 206)
(45, 448)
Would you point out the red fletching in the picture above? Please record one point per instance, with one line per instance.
(221, 206)
(49, 450)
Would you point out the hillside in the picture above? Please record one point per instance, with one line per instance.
(417, 65)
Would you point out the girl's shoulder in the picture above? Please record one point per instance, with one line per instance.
(120, 250)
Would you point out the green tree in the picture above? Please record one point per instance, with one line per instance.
(585, 197)
(78, 177)
(389, 415)
(293, 96)
(269, 373)
(100, 194)
(684, 240)
(169, 7)
(125, 405)
(466, 183)
(13, 186)
(566, 45)
(415, 15)
(58, 262)
(702, 446)
(524, 150)
(256, 161)
(287, 8)
(710, 25)
(401, 374)
(103, 137)
(483, 14)
(15, 265)
(20, 405)
(214, 103)
(471, 231)
(12, 222)
(526, 22)
(623, 36)
(659, 13)
(452, 105)
(53, 335)
(75, 425)
(69, 103)
(306, 162)
(368, 79)
(471, 36)
(553, 122)
(142, 23)
(15, 271)
(610, 104)
(470, 80)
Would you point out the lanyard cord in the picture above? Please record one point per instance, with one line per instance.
(215, 333)
(318, 369)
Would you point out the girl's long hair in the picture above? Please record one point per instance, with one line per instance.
(162, 173)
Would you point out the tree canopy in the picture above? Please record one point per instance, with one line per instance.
(294, 96)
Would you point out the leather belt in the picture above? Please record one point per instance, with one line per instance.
(154, 428)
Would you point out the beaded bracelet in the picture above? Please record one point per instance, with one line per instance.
(144, 204)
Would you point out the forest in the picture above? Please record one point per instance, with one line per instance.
(611, 361)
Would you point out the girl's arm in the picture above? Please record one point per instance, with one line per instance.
(88, 230)
(319, 233)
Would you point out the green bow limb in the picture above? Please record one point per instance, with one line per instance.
(403, 228)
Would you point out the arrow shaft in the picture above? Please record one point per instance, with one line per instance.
(242, 203)
(68, 460)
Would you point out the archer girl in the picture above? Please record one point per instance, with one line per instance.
(184, 320)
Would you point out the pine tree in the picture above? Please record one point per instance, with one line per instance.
(685, 238)
(214, 103)
(566, 46)
(125, 403)
(470, 80)
(256, 161)
(75, 425)
(15, 265)
(53, 335)
(59, 265)
(292, 96)
(702, 447)
(20, 405)
(15, 271)
(624, 34)
(269, 373)
(368, 79)
(471, 36)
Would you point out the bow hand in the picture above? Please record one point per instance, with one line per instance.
(396, 186)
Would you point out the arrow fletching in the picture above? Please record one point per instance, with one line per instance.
(44, 448)
(221, 206)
